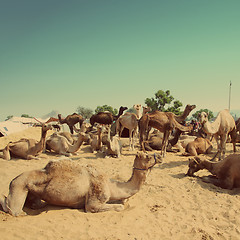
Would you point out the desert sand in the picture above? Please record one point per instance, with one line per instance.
(170, 205)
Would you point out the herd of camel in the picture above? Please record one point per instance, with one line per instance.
(67, 183)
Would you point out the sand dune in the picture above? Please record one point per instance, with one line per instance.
(169, 205)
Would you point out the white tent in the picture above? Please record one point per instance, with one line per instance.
(16, 124)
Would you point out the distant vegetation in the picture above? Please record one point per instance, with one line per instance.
(162, 101)
(85, 112)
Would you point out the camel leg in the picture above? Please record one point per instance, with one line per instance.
(223, 146)
(96, 201)
(233, 135)
(14, 202)
(165, 142)
(131, 147)
(71, 129)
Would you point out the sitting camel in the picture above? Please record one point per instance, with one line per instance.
(96, 139)
(223, 125)
(198, 146)
(71, 120)
(27, 148)
(61, 145)
(226, 173)
(129, 121)
(113, 144)
(5, 152)
(165, 122)
(68, 183)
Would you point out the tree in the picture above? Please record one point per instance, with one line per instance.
(8, 117)
(26, 115)
(210, 113)
(106, 108)
(162, 99)
(85, 112)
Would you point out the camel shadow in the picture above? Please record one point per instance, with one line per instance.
(173, 164)
(46, 209)
(211, 187)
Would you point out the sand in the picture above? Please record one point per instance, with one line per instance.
(168, 206)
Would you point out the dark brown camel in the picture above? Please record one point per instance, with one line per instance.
(225, 173)
(71, 120)
(165, 122)
(106, 117)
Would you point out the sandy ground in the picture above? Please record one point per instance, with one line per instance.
(169, 205)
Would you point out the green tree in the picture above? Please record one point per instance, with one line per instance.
(26, 115)
(210, 113)
(161, 99)
(8, 117)
(106, 108)
(85, 112)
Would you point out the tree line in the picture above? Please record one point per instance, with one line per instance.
(162, 101)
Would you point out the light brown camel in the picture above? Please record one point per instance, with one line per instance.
(113, 144)
(71, 120)
(198, 146)
(223, 125)
(129, 121)
(96, 139)
(5, 152)
(225, 173)
(28, 148)
(61, 145)
(67, 183)
(106, 117)
(165, 122)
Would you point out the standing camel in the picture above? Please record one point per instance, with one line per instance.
(129, 121)
(71, 120)
(106, 117)
(165, 122)
(223, 125)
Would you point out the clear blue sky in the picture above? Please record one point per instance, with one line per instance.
(58, 55)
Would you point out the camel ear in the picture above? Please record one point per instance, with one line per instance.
(197, 159)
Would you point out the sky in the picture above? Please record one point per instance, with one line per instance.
(59, 55)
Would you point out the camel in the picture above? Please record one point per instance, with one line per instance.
(198, 146)
(129, 121)
(28, 148)
(223, 126)
(238, 125)
(96, 140)
(137, 107)
(165, 122)
(5, 152)
(67, 183)
(106, 117)
(71, 120)
(61, 145)
(225, 173)
(113, 144)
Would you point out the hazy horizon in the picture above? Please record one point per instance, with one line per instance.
(59, 55)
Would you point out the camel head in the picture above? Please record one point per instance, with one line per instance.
(146, 109)
(122, 109)
(143, 161)
(194, 166)
(46, 127)
(137, 107)
(203, 117)
(190, 107)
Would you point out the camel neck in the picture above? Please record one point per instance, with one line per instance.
(208, 165)
(124, 190)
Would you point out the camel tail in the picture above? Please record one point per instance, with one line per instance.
(181, 127)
